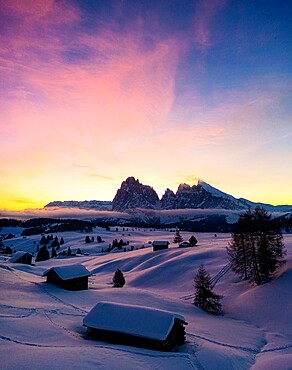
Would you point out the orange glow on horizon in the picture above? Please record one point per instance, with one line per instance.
(88, 102)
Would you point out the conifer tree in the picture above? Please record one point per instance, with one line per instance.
(118, 279)
(62, 241)
(256, 249)
(87, 239)
(8, 250)
(69, 251)
(54, 253)
(177, 238)
(43, 254)
(205, 298)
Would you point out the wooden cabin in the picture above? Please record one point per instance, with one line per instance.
(21, 257)
(135, 326)
(70, 277)
(158, 245)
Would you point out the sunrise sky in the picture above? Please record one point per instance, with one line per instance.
(167, 91)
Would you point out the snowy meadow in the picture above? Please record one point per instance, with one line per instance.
(42, 325)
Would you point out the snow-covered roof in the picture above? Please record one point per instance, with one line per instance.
(185, 244)
(69, 272)
(139, 321)
(17, 255)
(160, 242)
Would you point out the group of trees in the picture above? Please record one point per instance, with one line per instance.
(43, 254)
(178, 238)
(255, 252)
(91, 240)
(257, 248)
(50, 241)
(118, 244)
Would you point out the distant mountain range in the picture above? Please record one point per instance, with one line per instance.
(86, 204)
(132, 195)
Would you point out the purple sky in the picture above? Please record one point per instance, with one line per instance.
(167, 91)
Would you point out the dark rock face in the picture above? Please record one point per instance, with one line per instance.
(197, 196)
(168, 200)
(133, 194)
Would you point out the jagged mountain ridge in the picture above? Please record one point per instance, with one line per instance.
(201, 195)
(132, 195)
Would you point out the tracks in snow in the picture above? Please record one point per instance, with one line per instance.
(214, 281)
(241, 348)
(145, 353)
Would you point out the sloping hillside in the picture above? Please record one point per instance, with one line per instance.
(40, 321)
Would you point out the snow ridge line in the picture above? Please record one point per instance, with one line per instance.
(246, 349)
(214, 281)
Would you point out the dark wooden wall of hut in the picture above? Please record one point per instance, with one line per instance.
(80, 283)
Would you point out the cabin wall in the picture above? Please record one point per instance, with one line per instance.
(26, 259)
(80, 283)
(75, 284)
(53, 278)
(125, 339)
(159, 247)
(175, 337)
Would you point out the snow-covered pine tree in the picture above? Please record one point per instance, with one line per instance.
(43, 254)
(118, 279)
(177, 238)
(54, 253)
(205, 298)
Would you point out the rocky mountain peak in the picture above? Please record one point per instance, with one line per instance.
(133, 194)
(168, 199)
(183, 188)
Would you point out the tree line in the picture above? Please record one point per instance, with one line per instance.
(255, 252)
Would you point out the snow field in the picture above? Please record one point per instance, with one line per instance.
(41, 325)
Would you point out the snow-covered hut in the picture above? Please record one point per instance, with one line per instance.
(135, 325)
(184, 245)
(21, 257)
(160, 244)
(70, 277)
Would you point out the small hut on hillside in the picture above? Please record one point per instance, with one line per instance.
(184, 245)
(71, 277)
(21, 257)
(135, 325)
(160, 244)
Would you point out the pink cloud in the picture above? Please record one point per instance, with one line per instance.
(206, 11)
